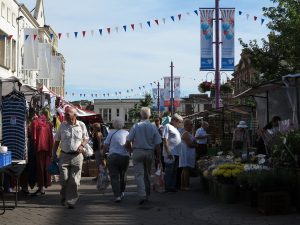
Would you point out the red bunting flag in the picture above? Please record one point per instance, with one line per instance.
(59, 35)
(156, 21)
(34, 36)
(179, 16)
(255, 18)
(83, 33)
(108, 30)
(132, 26)
(10, 37)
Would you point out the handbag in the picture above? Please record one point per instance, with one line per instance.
(53, 168)
(88, 151)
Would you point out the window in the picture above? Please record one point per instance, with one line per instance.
(3, 9)
(126, 115)
(118, 112)
(7, 52)
(8, 15)
(105, 115)
(14, 56)
(109, 115)
(13, 20)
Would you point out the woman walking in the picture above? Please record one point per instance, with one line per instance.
(118, 158)
(97, 142)
(187, 154)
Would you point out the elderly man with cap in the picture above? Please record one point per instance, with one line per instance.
(241, 139)
(72, 136)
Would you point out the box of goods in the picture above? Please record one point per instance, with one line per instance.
(271, 203)
(5, 159)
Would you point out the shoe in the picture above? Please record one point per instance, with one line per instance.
(143, 200)
(118, 199)
(38, 192)
(71, 206)
(122, 195)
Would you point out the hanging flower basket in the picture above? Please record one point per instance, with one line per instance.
(226, 88)
(206, 86)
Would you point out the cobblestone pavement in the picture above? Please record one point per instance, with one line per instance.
(187, 208)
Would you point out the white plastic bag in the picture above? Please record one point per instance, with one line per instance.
(103, 178)
(88, 151)
(159, 181)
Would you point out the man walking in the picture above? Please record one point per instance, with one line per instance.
(72, 136)
(144, 138)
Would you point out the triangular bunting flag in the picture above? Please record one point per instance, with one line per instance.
(187, 13)
(59, 35)
(149, 24)
(124, 28)
(240, 12)
(262, 21)
(132, 26)
(51, 36)
(255, 18)
(156, 21)
(196, 12)
(100, 31)
(10, 37)
(83, 33)
(26, 36)
(80, 95)
(173, 18)
(92, 32)
(68, 35)
(108, 30)
(179, 16)
(34, 36)
(141, 25)
(247, 15)
(75, 33)
(117, 29)
(92, 95)
(66, 93)
(164, 20)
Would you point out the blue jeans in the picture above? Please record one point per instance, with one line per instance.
(170, 176)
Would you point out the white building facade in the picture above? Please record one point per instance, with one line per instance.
(112, 108)
(17, 22)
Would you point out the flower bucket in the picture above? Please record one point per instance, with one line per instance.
(228, 193)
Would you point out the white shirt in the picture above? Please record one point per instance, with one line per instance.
(116, 140)
(173, 137)
(201, 132)
(71, 136)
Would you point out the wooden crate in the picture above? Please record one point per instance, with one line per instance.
(271, 203)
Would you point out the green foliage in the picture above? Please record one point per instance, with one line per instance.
(280, 54)
(134, 113)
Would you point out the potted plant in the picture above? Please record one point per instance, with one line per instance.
(226, 88)
(205, 86)
(226, 176)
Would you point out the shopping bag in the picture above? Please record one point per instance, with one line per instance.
(88, 151)
(159, 181)
(103, 178)
(53, 168)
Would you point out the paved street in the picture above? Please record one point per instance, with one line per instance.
(192, 207)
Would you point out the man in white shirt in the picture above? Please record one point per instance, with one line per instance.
(72, 136)
(171, 140)
(201, 137)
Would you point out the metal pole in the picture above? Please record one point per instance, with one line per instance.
(217, 43)
(172, 90)
(158, 99)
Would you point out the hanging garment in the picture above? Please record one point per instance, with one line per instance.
(14, 124)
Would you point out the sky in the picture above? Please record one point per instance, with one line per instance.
(130, 60)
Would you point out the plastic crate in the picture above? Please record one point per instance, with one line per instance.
(5, 159)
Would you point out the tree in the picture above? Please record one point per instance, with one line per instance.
(280, 54)
(134, 113)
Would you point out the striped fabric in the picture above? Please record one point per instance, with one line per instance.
(14, 125)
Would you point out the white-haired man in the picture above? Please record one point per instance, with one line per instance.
(171, 151)
(143, 138)
(72, 136)
(202, 138)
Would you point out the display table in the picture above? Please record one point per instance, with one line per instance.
(14, 170)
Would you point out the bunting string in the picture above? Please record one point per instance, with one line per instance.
(131, 27)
